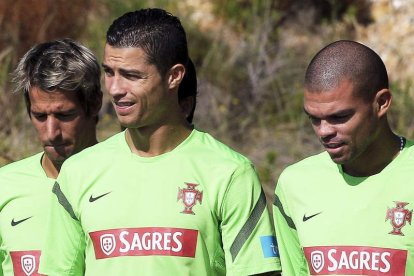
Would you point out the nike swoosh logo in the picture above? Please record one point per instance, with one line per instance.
(14, 223)
(305, 218)
(92, 199)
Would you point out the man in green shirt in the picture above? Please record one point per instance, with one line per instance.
(160, 198)
(60, 81)
(348, 210)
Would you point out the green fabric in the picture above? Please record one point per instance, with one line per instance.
(24, 195)
(115, 191)
(343, 211)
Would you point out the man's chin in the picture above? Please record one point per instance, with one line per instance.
(338, 159)
(127, 124)
(57, 157)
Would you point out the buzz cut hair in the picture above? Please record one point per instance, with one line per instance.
(347, 60)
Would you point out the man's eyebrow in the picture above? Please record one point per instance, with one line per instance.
(122, 70)
(337, 113)
(129, 71)
(68, 110)
(307, 113)
(36, 112)
(341, 112)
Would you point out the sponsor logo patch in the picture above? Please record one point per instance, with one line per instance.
(108, 243)
(145, 241)
(25, 263)
(189, 196)
(355, 260)
(269, 246)
(398, 217)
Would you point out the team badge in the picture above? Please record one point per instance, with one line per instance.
(399, 216)
(189, 196)
(317, 261)
(28, 263)
(108, 244)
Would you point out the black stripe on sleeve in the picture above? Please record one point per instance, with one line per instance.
(248, 227)
(63, 200)
(288, 219)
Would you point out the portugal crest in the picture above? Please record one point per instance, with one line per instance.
(28, 264)
(189, 195)
(317, 261)
(108, 244)
(399, 216)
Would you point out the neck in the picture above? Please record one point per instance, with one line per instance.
(376, 157)
(147, 143)
(51, 169)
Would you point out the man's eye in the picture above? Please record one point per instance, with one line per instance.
(314, 120)
(66, 116)
(39, 117)
(339, 118)
(108, 72)
(132, 77)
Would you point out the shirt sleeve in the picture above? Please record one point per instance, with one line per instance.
(247, 233)
(291, 253)
(2, 257)
(63, 252)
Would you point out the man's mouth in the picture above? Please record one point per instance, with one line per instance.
(56, 145)
(333, 145)
(123, 104)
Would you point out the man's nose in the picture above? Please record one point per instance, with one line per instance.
(114, 86)
(325, 129)
(53, 129)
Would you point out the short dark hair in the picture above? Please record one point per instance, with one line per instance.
(188, 87)
(345, 59)
(157, 32)
(60, 65)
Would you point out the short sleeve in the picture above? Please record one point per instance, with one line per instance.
(291, 254)
(2, 257)
(247, 233)
(63, 252)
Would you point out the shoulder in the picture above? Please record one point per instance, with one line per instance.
(317, 160)
(98, 153)
(409, 146)
(404, 162)
(208, 146)
(27, 165)
(20, 177)
(308, 168)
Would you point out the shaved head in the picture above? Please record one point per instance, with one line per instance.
(347, 60)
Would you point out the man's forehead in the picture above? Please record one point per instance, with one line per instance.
(343, 90)
(136, 52)
(322, 97)
(61, 97)
(125, 58)
(327, 103)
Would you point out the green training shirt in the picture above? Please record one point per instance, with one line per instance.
(330, 223)
(197, 210)
(24, 196)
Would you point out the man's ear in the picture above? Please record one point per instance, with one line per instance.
(383, 100)
(175, 76)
